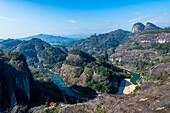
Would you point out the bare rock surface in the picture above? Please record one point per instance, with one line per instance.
(138, 27)
(160, 68)
(155, 99)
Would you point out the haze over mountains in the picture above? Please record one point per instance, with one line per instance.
(51, 39)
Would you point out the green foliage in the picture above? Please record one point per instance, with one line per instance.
(121, 36)
(98, 45)
(54, 110)
(46, 92)
(165, 30)
(9, 44)
(74, 63)
(103, 87)
(137, 89)
(165, 60)
(163, 48)
(136, 46)
(82, 54)
(36, 51)
(5, 55)
(161, 76)
(78, 72)
(100, 109)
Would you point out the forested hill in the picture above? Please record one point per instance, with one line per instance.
(100, 45)
(37, 52)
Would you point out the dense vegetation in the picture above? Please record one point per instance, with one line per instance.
(101, 67)
(165, 30)
(121, 36)
(37, 52)
(99, 45)
(160, 76)
(137, 89)
(9, 44)
(13, 67)
(47, 92)
(5, 55)
(163, 48)
(106, 70)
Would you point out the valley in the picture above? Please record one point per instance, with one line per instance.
(93, 73)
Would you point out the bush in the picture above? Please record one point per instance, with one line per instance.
(137, 89)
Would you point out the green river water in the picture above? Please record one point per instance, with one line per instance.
(69, 91)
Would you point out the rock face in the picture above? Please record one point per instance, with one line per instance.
(160, 69)
(149, 26)
(136, 49)
(15, 79)
(71, 57)
(134, 56)
(146, 39)
(151, 100)
(138, 27)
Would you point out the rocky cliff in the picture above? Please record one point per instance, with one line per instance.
(15, 79)
(150, 26)
(154, 99)
(144, 50)
(138, 27)
(160, 68)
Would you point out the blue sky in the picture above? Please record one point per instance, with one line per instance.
(21, 18)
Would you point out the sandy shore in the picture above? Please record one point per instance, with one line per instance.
(129, 89)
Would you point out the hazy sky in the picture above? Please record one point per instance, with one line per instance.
(21, 18)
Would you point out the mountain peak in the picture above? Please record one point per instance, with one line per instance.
(151, 26)
(138, 27)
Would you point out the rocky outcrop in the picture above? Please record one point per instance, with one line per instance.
(15, 79)
(74, 58)
(138, 27)
(149, 26)
(160, 68)
(134, 56)
(67, 73)
(145, 40)
(151, 100)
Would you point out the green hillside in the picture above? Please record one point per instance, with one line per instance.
(37, 52)
(98, 45)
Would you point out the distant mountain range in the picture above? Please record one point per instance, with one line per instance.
(51, 39)
(78, 36)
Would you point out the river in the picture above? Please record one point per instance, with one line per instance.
(58, 81)
(69, 91)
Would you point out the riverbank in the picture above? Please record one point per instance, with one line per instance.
(129, 88)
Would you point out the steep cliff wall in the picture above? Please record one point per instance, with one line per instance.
(15, 79)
